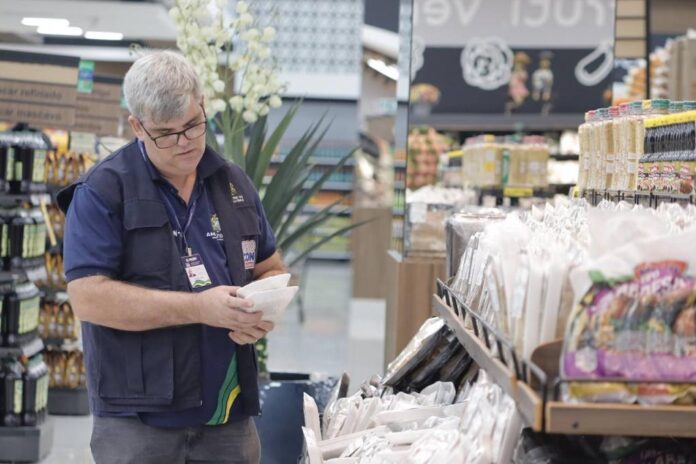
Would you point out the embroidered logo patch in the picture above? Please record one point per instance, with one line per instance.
(249, 252)
(236, 197)
(217, 230)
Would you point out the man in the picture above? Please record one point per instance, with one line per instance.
(159, 237)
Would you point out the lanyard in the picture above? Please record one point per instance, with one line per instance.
(175, 217)
(172, 211)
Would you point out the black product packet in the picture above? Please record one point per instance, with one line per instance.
(393, 379)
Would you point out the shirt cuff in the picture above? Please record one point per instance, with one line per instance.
(88, 272)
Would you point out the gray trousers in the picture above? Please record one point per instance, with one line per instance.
(126, 440)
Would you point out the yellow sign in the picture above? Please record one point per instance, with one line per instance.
(517, 192)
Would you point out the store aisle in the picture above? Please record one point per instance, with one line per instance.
(338, 333)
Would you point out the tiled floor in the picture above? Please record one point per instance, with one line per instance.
(339, 334)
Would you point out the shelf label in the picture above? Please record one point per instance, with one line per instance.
(516, 192)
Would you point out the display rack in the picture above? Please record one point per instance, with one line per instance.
(537, 392)
(513, 194)
(650, 199)
(26, 444)
(68, 401)
(28, 349)
(498, 122)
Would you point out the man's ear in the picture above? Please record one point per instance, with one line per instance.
(137, 128)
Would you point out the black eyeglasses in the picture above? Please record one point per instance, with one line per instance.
(169, 140)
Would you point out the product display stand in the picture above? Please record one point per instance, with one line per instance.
(537, 392)
(68, 402)
(648, 199)
(369, 244)
(26, 444)
(410, 283)
(512, 194)
(27, 349)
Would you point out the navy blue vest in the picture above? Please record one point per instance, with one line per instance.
(159, 370)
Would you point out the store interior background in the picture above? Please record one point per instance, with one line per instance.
(355, 60)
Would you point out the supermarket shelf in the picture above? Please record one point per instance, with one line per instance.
(538, 408)
(8, 200)
(337, 186)
(565, 157)
(318, 161)
(398, 211)
(62, 343)
(327, 186)
(68, 402)
(331, 255)
(26, 444)
(498, 122)
(336, 210)
(400, 185)
(528, 402)
(400, 164)
(652, 199)
(28, 349)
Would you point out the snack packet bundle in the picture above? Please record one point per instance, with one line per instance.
(641, 327)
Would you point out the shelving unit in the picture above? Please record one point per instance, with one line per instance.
(28, 349)
(331, 255)
(317, 161)
(26, 444)
(558, 157)
(650, 199)
(536, 392)
(513, 193)
(498, 122)
(68, 401)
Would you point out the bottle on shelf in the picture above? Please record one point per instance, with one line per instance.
(35, 397)
(21, 318)
(11, 392)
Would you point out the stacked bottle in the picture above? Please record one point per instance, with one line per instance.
(23, 158)
(489, 161)
(23, 391)
(670, 153)
(613, 145)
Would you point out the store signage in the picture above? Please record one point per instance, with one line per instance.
(99, 112)
(85, 76)
(38, 89)
(514, 56)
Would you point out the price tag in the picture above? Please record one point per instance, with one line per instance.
(517, 192)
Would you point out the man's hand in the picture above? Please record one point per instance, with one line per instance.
(220, 307)
(251, 335)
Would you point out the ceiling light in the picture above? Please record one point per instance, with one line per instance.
(36, 22)
(98, 35)
(391, 71)
(55, 30)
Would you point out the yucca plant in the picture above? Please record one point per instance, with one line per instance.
(288, 193)
(225, 49)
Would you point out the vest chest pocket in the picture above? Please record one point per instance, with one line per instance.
(245, 244)
(149, 240)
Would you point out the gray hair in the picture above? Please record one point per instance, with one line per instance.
(158, 86)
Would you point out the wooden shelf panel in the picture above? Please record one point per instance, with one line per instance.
(620, 419)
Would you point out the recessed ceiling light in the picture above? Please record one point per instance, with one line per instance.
(98, 35)
(53, 30)
(36, 22)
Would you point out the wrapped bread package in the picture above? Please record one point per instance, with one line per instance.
(460, 227)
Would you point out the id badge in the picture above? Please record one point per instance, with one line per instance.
(249, 253)
(195, 271)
